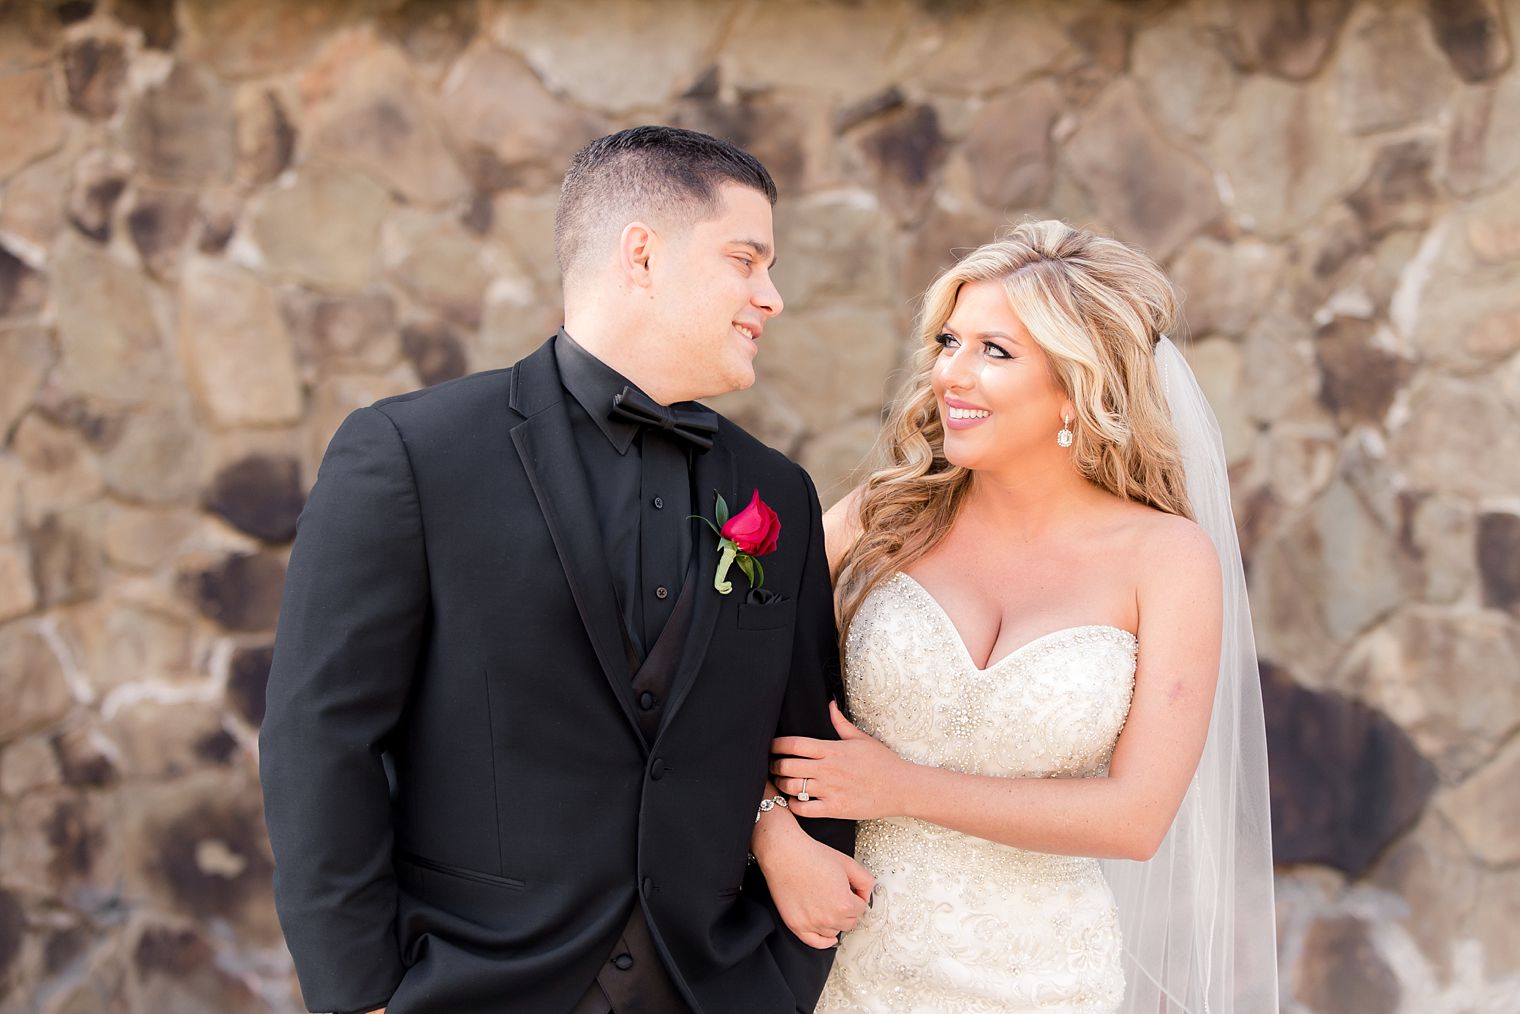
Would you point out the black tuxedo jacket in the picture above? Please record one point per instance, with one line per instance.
(461, 806)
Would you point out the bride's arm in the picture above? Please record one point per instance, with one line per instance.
(1123, 816)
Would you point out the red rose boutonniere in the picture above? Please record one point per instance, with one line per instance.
(743, 538)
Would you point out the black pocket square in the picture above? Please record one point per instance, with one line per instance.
(762, 597)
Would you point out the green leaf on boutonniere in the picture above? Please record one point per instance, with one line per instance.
(722, 511)
(747, 564)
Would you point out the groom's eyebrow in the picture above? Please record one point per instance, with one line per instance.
(762, 250)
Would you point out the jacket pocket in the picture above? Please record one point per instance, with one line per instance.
(423, 863)
(766, 617)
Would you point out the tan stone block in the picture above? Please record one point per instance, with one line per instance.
(514, 321)
(156, 459)
(834, 247)
(240, 354)
(629, 59)
(242, 40)
(138, 538)
(341, 332)
(974, 48)
(18, 595)
(1191, 94)
(1485, 809)
(107, 331)
(59, 468)
(61, 841)
(492, 99)
(1342, 969)
(339, 394)
(1447, 677)
(266, 137)
(32, 682)
(379, 121)
(1283, 154)
(181, 129)
(1154, 194)
(523, 241)
(1390, 71)
(159, 741)
(28, 764)
(840, 457)
(66, 555)
(437, 261)
(764, 413)
(1458, 436)
(31, 124)
(1009, 146)
(1443, 532)
(10, 497)
(833, 364)
(1430, 869)
(323, 227)
(27, 355)
(32, 206)
(1218, 365)
(1483, 147)
(1291, 40)
(1225, 286)
(29, 35)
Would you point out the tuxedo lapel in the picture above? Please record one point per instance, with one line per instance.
(546, 446)
(712, 471)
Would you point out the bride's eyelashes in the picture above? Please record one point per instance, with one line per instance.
(946, 340)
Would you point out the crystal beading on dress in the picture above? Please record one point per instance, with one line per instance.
(958, 922)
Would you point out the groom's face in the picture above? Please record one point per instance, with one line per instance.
(715, 295)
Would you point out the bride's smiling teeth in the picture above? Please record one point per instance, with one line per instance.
(968, 413)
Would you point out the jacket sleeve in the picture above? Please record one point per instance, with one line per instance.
(351, 624)
(815, 679)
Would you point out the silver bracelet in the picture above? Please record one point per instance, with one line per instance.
(767, 805)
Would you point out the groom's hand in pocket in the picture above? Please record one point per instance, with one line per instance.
(819, 892)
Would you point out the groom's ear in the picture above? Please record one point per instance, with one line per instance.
(635, 247)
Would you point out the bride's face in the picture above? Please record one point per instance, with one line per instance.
(998, 397)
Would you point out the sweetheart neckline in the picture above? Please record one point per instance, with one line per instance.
(955, 633)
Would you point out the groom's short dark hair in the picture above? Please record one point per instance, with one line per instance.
(644, 171)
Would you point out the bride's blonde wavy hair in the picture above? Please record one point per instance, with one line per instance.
(1097, 308)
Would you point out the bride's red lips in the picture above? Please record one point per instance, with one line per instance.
(957, 403)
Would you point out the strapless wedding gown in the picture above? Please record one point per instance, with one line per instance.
(962, 924)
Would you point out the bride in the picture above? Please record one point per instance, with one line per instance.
(1057, 752)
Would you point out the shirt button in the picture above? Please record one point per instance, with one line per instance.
(623, 962)
(662, 592)
(659, 503)
(657, 769)
(646, 700)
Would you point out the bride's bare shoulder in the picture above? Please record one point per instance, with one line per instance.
(841, 527)
(1170, 547)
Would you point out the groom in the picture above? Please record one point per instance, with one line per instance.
(515, 737)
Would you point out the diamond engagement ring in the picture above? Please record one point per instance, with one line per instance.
(803, 795)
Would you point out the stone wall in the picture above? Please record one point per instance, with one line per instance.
(224, 225)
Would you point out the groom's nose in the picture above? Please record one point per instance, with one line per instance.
(767, 298)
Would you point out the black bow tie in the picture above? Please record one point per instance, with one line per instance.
(696, 426)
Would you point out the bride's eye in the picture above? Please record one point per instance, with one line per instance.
(997, 351)
(946, 340)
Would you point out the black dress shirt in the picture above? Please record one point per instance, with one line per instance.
(641, 480)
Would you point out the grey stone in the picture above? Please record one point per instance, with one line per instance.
(832, 248)
(1485, 809)
(181, 130)
(1154, 194)
(260, 495)
(31, 682)
(1458, 436)
(437, 261)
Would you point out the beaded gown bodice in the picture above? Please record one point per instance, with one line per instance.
(960, 923)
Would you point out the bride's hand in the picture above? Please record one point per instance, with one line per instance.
(819, 892)
(855, 778)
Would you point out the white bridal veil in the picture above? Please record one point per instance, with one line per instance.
(1200, 934)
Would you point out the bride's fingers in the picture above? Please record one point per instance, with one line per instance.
(799, 746)
(794, 767)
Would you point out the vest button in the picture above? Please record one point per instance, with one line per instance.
(662, 592)
(659, 503)
(646, 700)
(623, 962)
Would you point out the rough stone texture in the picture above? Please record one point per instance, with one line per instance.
(1345, 780)
(261, 495)
(224, 226)
(241, 355)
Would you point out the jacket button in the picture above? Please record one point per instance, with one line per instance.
(623, 962)
(659, 503)
(662, 592)
(657, 769)
(646, 700)
(647, 886)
